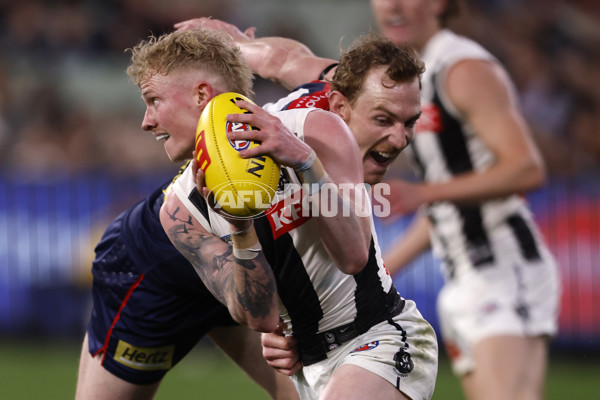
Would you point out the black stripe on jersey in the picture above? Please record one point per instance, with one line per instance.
(197, 200)
(453, 145)
(479, 249)
(373, 304)
(450, 267)
(525, 238)
(293, 283)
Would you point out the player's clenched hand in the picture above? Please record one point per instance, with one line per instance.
(404, 197)
(198, 174)
(281, 352)
(276, 140)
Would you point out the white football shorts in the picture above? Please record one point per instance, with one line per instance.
(518, 298)
(405, 353)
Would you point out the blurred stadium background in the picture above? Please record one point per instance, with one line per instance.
(73, 155)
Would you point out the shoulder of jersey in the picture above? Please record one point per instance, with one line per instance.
(241, 187)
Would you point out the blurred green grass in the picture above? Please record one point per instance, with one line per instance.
(34, 370)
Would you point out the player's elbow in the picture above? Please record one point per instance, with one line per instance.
(271, 64)
(534, 174)
(355, 261)
(361, 262)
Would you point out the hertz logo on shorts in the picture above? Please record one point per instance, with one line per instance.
(144, 358)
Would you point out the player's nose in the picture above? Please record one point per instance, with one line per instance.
(148, 122)
(399, 137)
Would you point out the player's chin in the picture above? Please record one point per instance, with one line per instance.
(374, 171)
(397, 34)
(374, 177)
(177, 153)
(177, 156)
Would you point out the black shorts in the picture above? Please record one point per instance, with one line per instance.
(146, 319)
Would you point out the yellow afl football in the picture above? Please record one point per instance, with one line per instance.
(239, 187)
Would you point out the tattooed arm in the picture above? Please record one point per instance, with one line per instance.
(241, 279)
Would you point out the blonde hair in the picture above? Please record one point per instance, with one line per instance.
(209, 51)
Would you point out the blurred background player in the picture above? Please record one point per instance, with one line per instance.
(473, 150)
(150, 307)
(354, 331)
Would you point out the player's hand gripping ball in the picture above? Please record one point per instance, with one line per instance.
(239, 187)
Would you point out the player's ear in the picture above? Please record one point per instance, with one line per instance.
(339, 104)
(204, 93)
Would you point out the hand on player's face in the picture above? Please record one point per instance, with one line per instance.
(275, 138)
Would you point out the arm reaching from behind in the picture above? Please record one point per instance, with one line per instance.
(285, 61)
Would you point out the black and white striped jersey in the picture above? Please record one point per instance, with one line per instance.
(314, 294)
(445, 145)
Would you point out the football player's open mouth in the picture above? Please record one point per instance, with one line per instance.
(163, 136)
(383, 158)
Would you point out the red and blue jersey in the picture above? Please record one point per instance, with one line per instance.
(314, 94)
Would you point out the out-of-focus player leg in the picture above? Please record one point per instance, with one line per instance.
(96, 383)
(243, 346)
(507, 367)
(535, 374)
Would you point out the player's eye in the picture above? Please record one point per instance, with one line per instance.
(382, 121)
(412, 122)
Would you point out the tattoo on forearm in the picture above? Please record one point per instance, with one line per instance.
(214, 262)
(174, 217)
(248, 264)
(256, 296)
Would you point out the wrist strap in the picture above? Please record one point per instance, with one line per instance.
(306, 164)
(245, 243)
(237, 233)
(247, 254)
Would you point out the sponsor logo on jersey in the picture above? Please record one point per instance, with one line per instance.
(313, 100)
(368, 346)
(238, 145)
(430, 119)
(286, 214)
(331, 341)
(144, 358)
